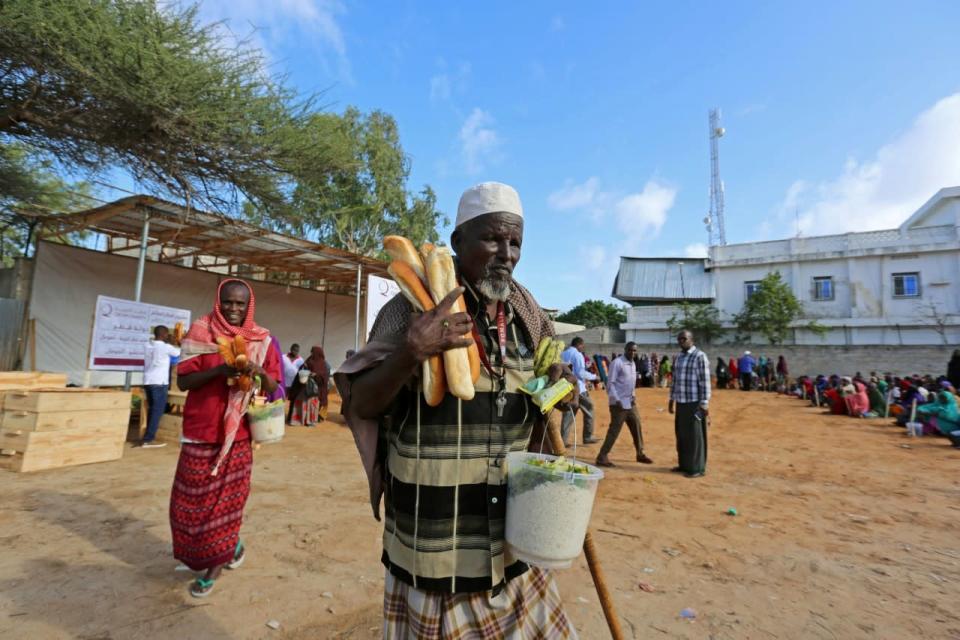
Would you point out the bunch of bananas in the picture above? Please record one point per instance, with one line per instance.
(178, 333)
(547, 353)
(234, 354)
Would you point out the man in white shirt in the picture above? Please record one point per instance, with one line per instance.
(156, 381)
(573, 356)
(621, 381)
(291, 364)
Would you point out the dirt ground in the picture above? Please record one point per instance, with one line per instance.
(845, 529)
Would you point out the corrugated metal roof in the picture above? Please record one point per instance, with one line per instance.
(667, 279)
(183, 234)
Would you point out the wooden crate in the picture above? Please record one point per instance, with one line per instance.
(60, 400)
(54, 420)
(171, 426)
(29, 441)
(31, 380)
(82, 450)
(176, 399)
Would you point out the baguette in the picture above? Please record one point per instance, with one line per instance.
(441, 280)
(434, 383)
(425, 250)
(410, 285)
(402, 250)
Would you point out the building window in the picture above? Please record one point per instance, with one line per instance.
(906, 285)
(823, 288)
(751, 288)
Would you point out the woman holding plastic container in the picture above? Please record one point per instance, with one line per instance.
(212, 481)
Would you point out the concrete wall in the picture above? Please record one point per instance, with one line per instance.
(828, 360)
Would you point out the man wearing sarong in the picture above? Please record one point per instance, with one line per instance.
(690, 395)
(449, 573)
(212, 482)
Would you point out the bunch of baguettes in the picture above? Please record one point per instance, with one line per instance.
(425, 278)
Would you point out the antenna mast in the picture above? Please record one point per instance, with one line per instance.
(715, 224)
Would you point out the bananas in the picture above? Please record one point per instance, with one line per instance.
(234, 354)
(547, 353)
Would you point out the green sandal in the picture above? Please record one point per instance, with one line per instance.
(239, 555)
(201, 588)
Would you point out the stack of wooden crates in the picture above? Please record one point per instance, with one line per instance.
(44, 425)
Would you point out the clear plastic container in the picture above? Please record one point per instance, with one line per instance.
(548, 510)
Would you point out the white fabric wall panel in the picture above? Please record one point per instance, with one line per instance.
(67, 281)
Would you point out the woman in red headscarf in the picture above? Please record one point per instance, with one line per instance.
(308, 403)
(212, 482)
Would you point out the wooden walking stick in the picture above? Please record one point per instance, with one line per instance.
(589, 550)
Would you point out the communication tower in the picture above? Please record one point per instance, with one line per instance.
(714, 221)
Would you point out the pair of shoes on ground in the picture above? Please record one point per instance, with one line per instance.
(698, 474)
(202, 587)
(152, 444)
(605, 462)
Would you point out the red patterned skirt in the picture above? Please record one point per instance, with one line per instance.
(206, 511)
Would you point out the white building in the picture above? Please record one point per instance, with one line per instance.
(892, 287)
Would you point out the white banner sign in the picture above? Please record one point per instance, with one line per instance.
(121, 328)
(379, 292)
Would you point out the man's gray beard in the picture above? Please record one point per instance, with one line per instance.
(494, 289)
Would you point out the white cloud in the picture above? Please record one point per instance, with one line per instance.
(268, 24)
(445, 84)
(440, 87)
(575, 196)
(757, 107)
(479, 141)
(643, 214)
(695, 250)
(593, 257)
(882, 192)
(637, 215)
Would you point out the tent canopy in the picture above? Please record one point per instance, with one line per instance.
(210, 242)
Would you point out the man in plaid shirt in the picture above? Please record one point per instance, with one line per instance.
(690, 394)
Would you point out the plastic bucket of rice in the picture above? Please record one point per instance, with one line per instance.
(549, 501)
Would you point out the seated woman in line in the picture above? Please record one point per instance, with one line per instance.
(833, 397)
(855, 397)
(941, 416)
(878, 401)
(904, 405)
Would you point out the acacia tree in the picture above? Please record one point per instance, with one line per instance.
(354, 207)
(29, 184)
(131, 84)
(702, 319)
(771, 310)
(595, 313)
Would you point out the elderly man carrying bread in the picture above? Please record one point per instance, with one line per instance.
(439, 468)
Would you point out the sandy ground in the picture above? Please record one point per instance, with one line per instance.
(846, 529)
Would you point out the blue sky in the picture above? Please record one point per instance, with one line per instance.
(844, 116)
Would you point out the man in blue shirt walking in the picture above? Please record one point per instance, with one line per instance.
(573, 356)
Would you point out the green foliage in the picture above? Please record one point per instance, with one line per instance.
(143, 86)
(595, 313)
(28, 183)
(771, 310)
(353, 208)
(702, 319)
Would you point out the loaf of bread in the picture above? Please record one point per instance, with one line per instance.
(400, 249)
(434, 381)
(441, 280)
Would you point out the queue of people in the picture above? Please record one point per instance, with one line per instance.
(932, 404)
(749, 373)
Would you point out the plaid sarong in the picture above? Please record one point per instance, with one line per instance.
(528, 608)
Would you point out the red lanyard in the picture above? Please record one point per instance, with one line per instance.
(501, 334)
